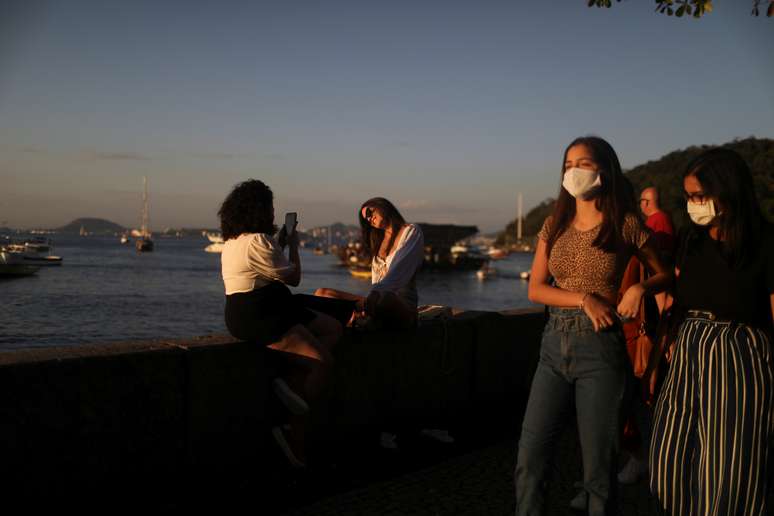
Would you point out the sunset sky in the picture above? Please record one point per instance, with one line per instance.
(448, 108)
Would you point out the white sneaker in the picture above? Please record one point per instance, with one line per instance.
(290, 399)
(580, 501)
(438, 434)
(387, 440)
(632, 471)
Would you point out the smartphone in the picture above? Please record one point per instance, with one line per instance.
(290, 222)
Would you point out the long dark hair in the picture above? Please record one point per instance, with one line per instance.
(373, 237)
(615, 198)
(726, 178)
(249, 208)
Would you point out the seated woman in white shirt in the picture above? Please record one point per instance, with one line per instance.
(397, 251)
(260, 308)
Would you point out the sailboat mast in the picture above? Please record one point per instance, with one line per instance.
(144, 228)
(518, 221)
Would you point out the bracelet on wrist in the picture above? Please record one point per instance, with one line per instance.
(583, 300)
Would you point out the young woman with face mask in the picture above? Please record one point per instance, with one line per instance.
(585, 246)
(714, 418)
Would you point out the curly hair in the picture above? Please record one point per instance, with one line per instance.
(249, 208)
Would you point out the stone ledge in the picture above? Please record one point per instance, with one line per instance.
(151, 411)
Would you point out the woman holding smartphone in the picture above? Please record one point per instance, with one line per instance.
(260, 307)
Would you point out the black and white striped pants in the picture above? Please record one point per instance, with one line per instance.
(714, 421)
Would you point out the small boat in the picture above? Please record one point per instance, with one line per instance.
(215, 247)
(38, 252)
(496, 254)
(319, 251)
(215, 238)
(524, 275)
(124, 239)
(486, 272)
(359, 271)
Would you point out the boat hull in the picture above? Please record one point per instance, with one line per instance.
(43, 261)
(13, 264)
(144, 245)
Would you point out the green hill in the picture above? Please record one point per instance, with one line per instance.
(92, 226)
(666, 174)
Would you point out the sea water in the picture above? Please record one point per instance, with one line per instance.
(105, 291)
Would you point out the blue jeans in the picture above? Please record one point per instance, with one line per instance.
(574, 362)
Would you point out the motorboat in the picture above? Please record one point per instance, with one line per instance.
(215, 238)
(215, 247)
(34, 252)
(216, 242)
(12, 263)
(38, 252)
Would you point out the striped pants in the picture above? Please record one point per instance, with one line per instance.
(714, 421)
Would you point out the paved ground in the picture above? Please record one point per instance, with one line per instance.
(478, 482)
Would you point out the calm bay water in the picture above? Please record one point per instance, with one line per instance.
(107, 292)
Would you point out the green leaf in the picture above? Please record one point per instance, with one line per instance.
(680, 11)
(591, 2)
(688, 9)
(670, 11)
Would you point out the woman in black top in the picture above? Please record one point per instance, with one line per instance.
(715, 416)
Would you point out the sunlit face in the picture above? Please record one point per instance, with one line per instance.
(580, 156)
(374, 217)
(694, 192)
(646, 201)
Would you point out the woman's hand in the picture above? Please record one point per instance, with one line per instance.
(600, 311)
(282, 237)
(631, 300)
(292, 238)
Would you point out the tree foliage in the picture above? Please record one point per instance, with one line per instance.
(666, 174)
(695, 8)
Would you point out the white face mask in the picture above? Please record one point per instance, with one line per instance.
(580, 182)
(701, 214)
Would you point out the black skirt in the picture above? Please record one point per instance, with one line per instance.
(265, 314)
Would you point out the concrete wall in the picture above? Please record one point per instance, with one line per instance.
(144, 415)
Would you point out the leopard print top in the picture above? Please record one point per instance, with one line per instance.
(578, 266)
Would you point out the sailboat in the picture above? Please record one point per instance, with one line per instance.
(144, 244)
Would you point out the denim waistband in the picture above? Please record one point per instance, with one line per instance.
(568, 320)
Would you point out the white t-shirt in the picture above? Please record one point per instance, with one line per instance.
(251, 261)
(396, 273)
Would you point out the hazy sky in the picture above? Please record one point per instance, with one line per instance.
(447, 108)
